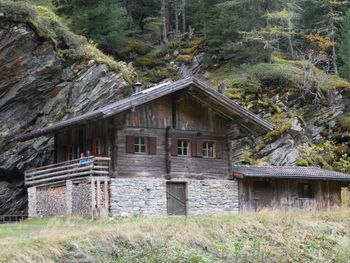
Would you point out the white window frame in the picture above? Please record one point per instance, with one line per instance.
(181, 148)
(138, 144)
(206, 149)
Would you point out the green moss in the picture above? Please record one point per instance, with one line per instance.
(302, 162)
(344, 122)
(184, 58)
(157, 74)
(282, 123)
(188, 51)
(148, 61)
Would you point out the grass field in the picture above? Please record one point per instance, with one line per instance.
(263, 237)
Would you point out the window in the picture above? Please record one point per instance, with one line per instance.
(305, 190)
(140, 145)
(208, 149)
(182, 148)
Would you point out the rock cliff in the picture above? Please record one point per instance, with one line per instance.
(36, 88)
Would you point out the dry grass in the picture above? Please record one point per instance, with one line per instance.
(267, 236)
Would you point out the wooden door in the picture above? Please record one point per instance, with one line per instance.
(262, 194)
(176, 198)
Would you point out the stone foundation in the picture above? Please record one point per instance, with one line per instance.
(147, 196)
(135, 196)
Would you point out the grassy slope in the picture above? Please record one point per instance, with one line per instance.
(271, 237)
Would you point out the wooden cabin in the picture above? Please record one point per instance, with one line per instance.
(288, 188)
(165, 150)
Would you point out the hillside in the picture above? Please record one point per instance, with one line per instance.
(47, 74)
(264, 237)
(50, 74)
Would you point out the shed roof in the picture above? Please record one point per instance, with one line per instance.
(200, 89)
(288, 172)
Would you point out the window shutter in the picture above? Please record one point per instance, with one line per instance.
(173, 148)
(152, 145)
(219, 149)
(199, 148)
(130, 144)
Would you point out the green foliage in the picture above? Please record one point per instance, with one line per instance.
(158, 74)
(344, 47)
(345, 121)
(105, 22)
(327, 154)
(69, 46)
(246, 157)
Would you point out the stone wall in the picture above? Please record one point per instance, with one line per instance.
(212, 197)
(147, 196)
(32, 201)
(138, 196)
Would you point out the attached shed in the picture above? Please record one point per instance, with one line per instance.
(288, 188)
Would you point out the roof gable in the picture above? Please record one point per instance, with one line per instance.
(197, 88)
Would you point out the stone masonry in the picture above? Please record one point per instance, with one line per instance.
(138, 196)
(147, 196)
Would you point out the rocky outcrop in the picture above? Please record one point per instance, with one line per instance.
(37, 88)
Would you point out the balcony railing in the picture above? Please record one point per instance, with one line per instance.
(69, 170)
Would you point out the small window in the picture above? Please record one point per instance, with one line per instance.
(182, 148)
(305, 190)
(208, 149)
(140, 145)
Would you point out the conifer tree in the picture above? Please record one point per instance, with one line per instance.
(344, 47)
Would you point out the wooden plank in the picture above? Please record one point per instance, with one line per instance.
(106, 193)
(93, 197)
(98, 194)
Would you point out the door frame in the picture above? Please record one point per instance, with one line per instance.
(186, 195)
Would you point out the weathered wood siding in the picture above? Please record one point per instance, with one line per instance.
(179, 116)
(80, 138)
(285, 196)
(179, 112)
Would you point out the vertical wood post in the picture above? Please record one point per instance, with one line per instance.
(106, 194)
(93, 197)
(98, 196)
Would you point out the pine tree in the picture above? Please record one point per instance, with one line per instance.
(344, 47)
(106, 22)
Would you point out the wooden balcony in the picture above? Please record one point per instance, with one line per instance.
(74, 170)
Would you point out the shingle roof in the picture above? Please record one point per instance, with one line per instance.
(289, 172)
(149, 95)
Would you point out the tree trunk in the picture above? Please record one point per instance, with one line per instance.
(164, 21)
(176, 8)
(183, 16)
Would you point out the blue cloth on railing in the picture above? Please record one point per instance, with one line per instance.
(84, 160)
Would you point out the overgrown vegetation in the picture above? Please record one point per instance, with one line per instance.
(267, 237)
(69, 46)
